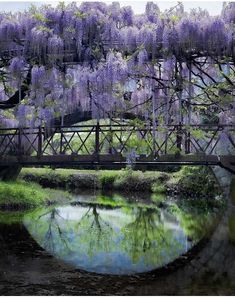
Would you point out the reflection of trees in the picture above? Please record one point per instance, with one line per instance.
(96, 233)
(147, 237)
(61, 235)
(55, 238)
(195, 220)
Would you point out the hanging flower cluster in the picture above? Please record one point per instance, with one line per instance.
(51, 30)
(16, 67)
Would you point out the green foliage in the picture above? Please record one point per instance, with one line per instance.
(21, 194)
(135, 181)
(123, 180)
(40, 17)
(107, 179)
(25, 195)
(80, 15)
(159, 188)
(196, 181)
(158, 198)
(44, 29)
(83, 181)
(189, 181)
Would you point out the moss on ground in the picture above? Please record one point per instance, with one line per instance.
(25, 195)
(189, 181)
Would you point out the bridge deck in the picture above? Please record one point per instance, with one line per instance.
(116, 161)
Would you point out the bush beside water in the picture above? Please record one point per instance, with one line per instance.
(190, 181)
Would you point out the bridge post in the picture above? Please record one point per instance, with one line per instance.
(39, 142)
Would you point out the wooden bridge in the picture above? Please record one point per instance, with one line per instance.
(115, 146)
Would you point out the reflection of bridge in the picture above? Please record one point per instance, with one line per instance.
(114, 146)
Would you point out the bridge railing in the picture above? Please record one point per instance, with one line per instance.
(122, 140)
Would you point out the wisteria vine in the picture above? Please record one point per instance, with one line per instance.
(165, 67)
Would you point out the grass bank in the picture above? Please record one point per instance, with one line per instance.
(189, 181)
(33, 189)
(22, 195)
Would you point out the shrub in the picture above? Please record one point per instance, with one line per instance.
(130, 180)
(83, 181)
(159, 188)
(197, 181)
(107, 179)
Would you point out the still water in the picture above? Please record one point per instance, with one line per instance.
(116, 235)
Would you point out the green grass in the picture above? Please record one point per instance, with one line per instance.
(21, 193)
(25, 195)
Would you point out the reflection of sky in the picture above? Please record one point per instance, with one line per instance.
(74, 240)
(214, 7)
(116, 216)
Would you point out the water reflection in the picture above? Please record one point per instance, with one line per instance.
(109, 238)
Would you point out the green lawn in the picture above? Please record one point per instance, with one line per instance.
(25, 195)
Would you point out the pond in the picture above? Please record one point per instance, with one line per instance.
(113, 234)
(109, 240)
